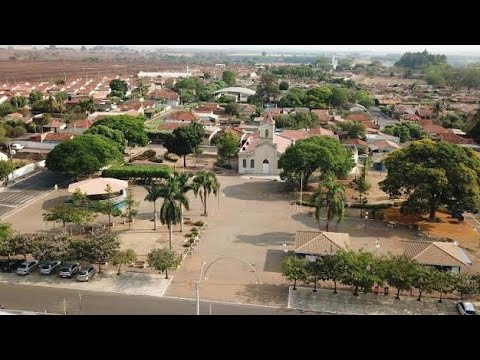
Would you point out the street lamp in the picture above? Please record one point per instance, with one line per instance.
(366, 218)
(377, 245)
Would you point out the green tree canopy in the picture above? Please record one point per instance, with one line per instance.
(205, 183)
(229, 77)
(283, 85)
(295, 268)
(163, 260)
(359, 269)
(6, 168)
(316, 153)
(420, 60)
(298, 120)
(118, 87)
(109, 133)
(132, 127)
(267, 88)
(34, 97)
(406, 131)
(353, 129)
(331, 197)
(232, 108)
(18, 101)
(83, 155)
(184, 140)
(293, 98)
(123, 257)
(401, 273)
(228, 145)
(433, 174)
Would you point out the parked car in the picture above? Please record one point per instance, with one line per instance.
(49, 267)
(17, 146)
(68, 270)
(86, 273)
(26, 267)
(12, 265)
(466, 308)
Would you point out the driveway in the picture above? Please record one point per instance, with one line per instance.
(26, 190)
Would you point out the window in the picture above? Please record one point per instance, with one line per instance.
(252, 163)
(265, 161)
(266, 133)
(244, 163)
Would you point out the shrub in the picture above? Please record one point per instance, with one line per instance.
(188, 222)
(194, 231)
(132, 172)
(156, 160)
(170, 157)
(198, 223)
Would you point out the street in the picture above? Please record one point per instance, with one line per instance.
(27, 189)
(59, 301)
(380, 118)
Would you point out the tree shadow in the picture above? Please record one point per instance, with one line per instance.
(258, 190)
(265, 293)
(48, 204)
(272, 239)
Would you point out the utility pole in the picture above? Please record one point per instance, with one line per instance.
(197, 294)
(301, 191)
(64, 306)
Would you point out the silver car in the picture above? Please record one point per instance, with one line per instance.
(49, 267)
(26, 267)
(466, 308)
(86, 273)
(68, 270)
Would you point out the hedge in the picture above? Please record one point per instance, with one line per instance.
(132, 172)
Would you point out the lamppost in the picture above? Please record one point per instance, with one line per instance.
(204, 273)
(366, 218)
(377, 245)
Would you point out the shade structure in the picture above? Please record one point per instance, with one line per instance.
(97, 186)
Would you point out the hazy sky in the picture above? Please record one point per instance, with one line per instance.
(444, 49)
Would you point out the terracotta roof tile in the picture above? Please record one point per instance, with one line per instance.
(320, 243)
(436, 253)
(58, 137)
(182, 116)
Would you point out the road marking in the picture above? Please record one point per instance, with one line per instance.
(166, 287)
(10, 206)
(25, 205)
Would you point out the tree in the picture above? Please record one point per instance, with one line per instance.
(320, 153)
(319, 97)
(361, 184)
(465, 284)
(331, 197)
(123, 257)
(98, 248)
(228, 145)
(444, 282)
(18, 101)
(267, 88)
(299, 120)
(424, 280)
(405, 131)
(184, 140)
(142, 89)
(433, 174)
(173, 198)
(183, 188)
(283, 85)
(401, 273)
(264, 53)
(364, 98)
(229, 77)
(6, 233)
(154, 192)
(295, 268)
(67, 214)
(359, 270)
(132, 127)
(107, 207)
(34, 97)
(118, 87)
(6, 168)
(420, 60)
(332, 268)
(83, 155)
(22, 244)
(232, 109)
(163, 260)
(47, 248)
(131, 208)
(204, 183)
(353, 129)
(293, 98)
(5, 109)
(109, 133)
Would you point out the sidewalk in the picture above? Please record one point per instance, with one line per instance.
(126, 283)
(344, 303)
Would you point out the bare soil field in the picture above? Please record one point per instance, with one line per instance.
(384, 80)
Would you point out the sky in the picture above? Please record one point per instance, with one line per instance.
(444, 49)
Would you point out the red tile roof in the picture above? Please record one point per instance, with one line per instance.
(356, 142)
(82, 124)
(361, 117)
(170, 126)
(182, 116)
(455, 139)
(56, 123)
(166, 94)
(435, 129)
(60, 137)
(323, 115)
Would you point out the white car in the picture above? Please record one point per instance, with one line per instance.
(26, 267)
(17, 146)
(49, 267)
(466, 308)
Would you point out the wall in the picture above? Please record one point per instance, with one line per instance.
(25, 170)
(36, 145)
(261, 153)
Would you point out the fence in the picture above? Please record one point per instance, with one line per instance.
(25, 170)
(36, 144)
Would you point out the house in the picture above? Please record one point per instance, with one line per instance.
(424, 113)
(433, 130)
(313, 244)
(444, 256)
(80, 126)
(323, 115)
(294, 135)
(171, 126)
(358, 143)
(55, 125)
(167, 96)
(383, 146)
(181, 116)
(455, 139)
(357, 108)
(57, 138)
(247, 110)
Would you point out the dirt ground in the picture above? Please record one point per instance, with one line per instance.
(384, 80)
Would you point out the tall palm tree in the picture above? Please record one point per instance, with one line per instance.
(154, 192)
(184, 188)
(204, 183)
(331, 197)
(173, 199)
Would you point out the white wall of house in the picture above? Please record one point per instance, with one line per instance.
(36, 144)
(24, 170)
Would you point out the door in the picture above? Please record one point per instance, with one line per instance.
(266, 167)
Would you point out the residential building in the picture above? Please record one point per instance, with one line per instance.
(314, 244)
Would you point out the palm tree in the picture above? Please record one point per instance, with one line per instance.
(204, 183)
(154, 192)
(184, 188)
(331, 196)
(173, 199)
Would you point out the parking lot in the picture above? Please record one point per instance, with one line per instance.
(26, 190)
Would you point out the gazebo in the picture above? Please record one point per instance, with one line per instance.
(96, 189)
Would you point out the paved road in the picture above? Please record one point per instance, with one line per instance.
(35, 298)
(380, 118)
(27, 189)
